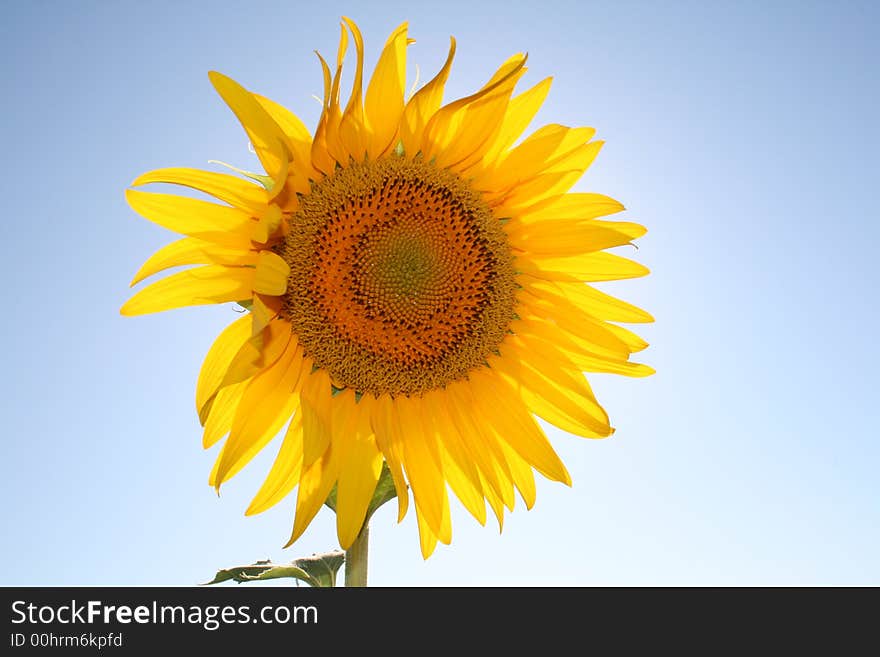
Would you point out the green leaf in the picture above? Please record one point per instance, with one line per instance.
(277, 572)
(318, 571)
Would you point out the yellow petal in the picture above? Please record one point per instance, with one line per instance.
(260, 352)
(271, 274)
(529, 194)
(315, 484)
(391, 446)
(542, 150)
(551, 392)
(600, 266)
(427, 537)
(589, 363)
(299, 143)
(457, 462)
(317, 415)
(261, 313)
(548, 301)
(358, 475)
(442, 129)
(632, 341)
(291, 125)
(383, 103)
(423, 105)
(220, 412)
(208, 221)
(421, 459)
(575, 206)
(565, 238)
(495, 504)
(267, 137)
(267, 403)
(268, 222)
(193, 287)
(522, 187)
(519, 114)
(578, 159)
(240, 193)
(555, 319)
(219, 357)
(192, 251)
(460, 133)
(320, 157)
(516, 427)
(495, 476)
(353, 131)
(523, 476)
(583, 359)
(511, 66)
(285, 472)
(596, 303)
(332, 116)
(479, 125)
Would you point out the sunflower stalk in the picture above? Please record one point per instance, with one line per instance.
(357, 553)
(356, 558)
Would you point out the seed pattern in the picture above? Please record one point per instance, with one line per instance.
(401, 279)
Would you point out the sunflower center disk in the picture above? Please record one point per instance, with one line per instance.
(401, 279)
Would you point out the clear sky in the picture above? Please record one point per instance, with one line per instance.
(742, 134)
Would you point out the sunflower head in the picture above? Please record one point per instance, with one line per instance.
(418, 281)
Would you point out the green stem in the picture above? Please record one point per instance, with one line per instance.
(356, 559)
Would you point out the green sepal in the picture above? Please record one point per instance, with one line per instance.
(265, 181)
(322, 568)
(384, 492)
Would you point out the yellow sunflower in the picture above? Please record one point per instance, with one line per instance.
(417, 282)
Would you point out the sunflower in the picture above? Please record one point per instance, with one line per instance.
(417, 284)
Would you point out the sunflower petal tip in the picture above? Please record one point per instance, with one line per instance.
(298, 531)
(344, 541)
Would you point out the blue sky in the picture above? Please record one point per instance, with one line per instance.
(742, 134)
